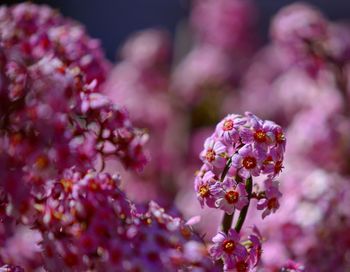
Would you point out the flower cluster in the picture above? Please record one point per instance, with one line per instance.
(31, 32)
(88, 223)
(52, 116)
(245, 147)
(238, 254)
(53, 120)
(242, 147)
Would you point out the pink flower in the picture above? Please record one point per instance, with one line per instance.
(271, 202)
(226, 24)
(203, 184)
(255, 250)
(214, 153)
(228, 248)
(260, 133)
(229, 127)
(229, 195)
(298, 23)
(273, 164)
(247, 161)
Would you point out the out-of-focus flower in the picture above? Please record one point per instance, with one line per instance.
(204, 71)
(31, 32)
(228, 25)
(292, 266)
(11, 268)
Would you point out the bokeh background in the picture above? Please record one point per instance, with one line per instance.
(113, 21)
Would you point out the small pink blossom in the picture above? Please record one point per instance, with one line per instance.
(271, 202)
(228, 128)
(203, 188)
(229, 195)
(260, 133)
(247, 162)
(228, 248)
(214, 153)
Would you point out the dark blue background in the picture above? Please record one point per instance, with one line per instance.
(113, 20)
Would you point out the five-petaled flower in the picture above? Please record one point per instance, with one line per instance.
(229, 248)
(230, 195)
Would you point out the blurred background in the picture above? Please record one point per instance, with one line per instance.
(113, 21)
(216, 57)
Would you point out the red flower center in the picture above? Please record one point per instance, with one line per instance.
(241, 266)
(229, 246)
(228, 125)
(272, 203)
(204, 190)
(210, 156)
(278, 167)
(260, 136)
(249, 162)
(42, 162)
(280, 138)
(232, 197)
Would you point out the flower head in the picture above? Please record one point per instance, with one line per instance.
(203, 188)
(214, 153)
(229, 248)
(271, 201)
(229, 195)
(228, 129)
(247, 161)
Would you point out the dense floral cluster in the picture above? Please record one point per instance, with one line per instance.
(87, 223)
(242, 147)
(245, 147)
(52, 118)
(30, 32)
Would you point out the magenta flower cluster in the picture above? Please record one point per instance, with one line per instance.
(52, 117)
(240, 149)
(86, 214)
(245, 147)
(57, 131)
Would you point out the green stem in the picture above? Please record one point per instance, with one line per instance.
(227, 219)
(226, 222)
(227, 167)
(244, 211)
